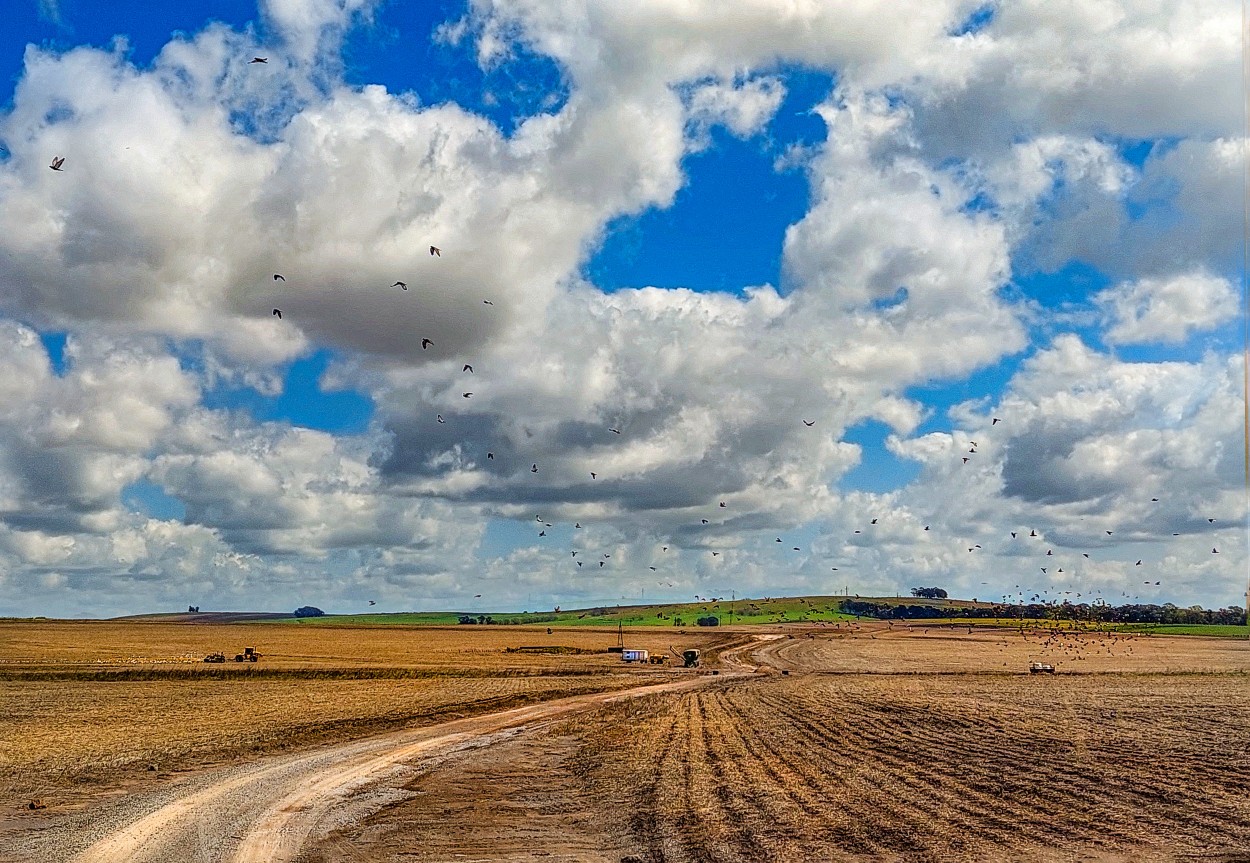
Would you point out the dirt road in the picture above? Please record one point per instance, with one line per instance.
(268, 810)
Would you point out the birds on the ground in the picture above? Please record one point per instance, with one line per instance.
(57, 162)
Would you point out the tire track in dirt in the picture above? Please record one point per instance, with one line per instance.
(221, 823)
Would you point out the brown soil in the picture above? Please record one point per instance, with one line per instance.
(975, 765)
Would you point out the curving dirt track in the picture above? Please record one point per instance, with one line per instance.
(268, 810)
(866, 744)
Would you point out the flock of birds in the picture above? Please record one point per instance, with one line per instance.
(58, 163)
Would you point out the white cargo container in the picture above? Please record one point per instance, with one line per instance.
(629, 655)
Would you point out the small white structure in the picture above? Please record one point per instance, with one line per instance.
(630, 655)
(1041, 668)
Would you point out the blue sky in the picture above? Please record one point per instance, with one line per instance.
(703, 239)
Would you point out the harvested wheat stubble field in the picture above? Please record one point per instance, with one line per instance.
(113, 645)
(88, 707)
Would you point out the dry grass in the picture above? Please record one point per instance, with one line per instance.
(877, 648)
(86, 706)
(959, 767)
(32, 645)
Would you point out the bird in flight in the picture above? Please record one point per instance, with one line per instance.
(809, 424)
(1032, 533)
(490, 455)
(704, 520)
(435, 250)
(487, 303)
(722, 504)
(477, 596)
(403, 285)
(467, 368)
(278, 277)
(426, 343)
(466, 395)
(57, 162)
(615, 431)
(277, 313)
(542, 533)
(533, 468)
(965, 459)
(995, 421)
(1013, 534)
(258, 60)
(439, 417)
(874, 521)
(594, 475)
(371, 602)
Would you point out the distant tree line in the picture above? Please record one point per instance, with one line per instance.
(1094, 612)
(928, 592)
